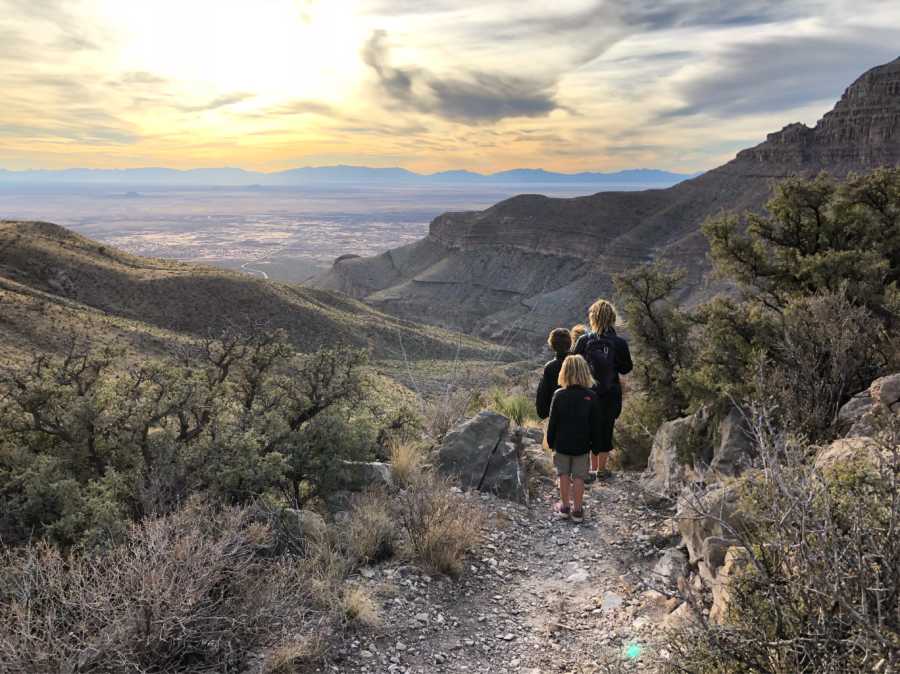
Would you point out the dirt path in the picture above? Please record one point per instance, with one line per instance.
(541, 595)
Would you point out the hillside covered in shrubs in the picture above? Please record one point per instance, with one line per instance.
(740, 410)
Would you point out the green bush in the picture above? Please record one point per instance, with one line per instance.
(90, 442)
(818, 303)
(518, 407)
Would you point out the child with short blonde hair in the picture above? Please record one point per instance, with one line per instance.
(573, 431)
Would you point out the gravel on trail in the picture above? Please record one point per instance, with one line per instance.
(538, 595)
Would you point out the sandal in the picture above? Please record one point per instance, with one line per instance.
(562, 511)
(578, 516)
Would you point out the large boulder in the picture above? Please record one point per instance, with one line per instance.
(886, 392)
(850, 416)
(482, 453)
(306, 523)
(859, 416)
(734, 451)
(847, 452)
(667, 467)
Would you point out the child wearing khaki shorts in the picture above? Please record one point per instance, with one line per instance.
(573, 431)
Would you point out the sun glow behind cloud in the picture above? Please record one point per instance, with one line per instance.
(427, 84)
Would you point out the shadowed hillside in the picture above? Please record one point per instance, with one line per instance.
(539, 261)
(54, 283)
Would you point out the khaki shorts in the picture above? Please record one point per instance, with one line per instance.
(577, 466)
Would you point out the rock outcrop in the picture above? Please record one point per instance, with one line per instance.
(692, 449)
(667, 467)
(859, 417)
(547, 259)
(486, 453)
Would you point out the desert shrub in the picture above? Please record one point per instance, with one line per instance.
(407, 459)
(440, 524)
(816, 298)
(818, 235)
(727, 336)
(358, 607)
(820, 589)
(826, 349)
(297, 655)
(186, 592)
(642, 415)
(659, 332)
(372, 531)
(90, 442)
(444, 412)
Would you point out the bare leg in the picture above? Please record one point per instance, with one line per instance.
(565, 483)
(578, 493)
(595, 462)
(602, 458)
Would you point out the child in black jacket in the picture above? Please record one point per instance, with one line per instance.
(560, 342)
(574, 431)
(602, 317)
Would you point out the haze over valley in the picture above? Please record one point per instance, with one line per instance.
(286, 233)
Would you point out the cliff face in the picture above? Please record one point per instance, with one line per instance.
(537, 262)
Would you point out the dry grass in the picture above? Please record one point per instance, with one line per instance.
(359, 608)
(299, 655)
(407, 461)
(371, 533)
(440, 524)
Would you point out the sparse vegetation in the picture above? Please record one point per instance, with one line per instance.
(518, 407)
(818, 586)
(440, 525)
(189, 591)
(371, 533)
(813, 580)
(408, 459)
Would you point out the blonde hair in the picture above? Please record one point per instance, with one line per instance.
(602, 315)
(577, 331)
(575, 372)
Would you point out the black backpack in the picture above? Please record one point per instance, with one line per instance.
(600, 354)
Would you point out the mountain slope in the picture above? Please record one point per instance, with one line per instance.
(53, 282)
(538, 262)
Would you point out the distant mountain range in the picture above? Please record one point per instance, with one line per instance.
(313, 175)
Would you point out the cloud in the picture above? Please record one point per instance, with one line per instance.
(301, 107)
(85, 135)
(780, 73)
(14, 46)
(474, 97)
(218, 102)
(142, 77)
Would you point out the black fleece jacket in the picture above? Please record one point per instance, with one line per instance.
(576, 423)
(549, 384)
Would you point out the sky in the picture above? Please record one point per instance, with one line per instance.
(429, 85)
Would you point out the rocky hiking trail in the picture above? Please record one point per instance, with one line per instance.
(538, 595)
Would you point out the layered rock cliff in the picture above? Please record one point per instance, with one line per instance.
(531, 262)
